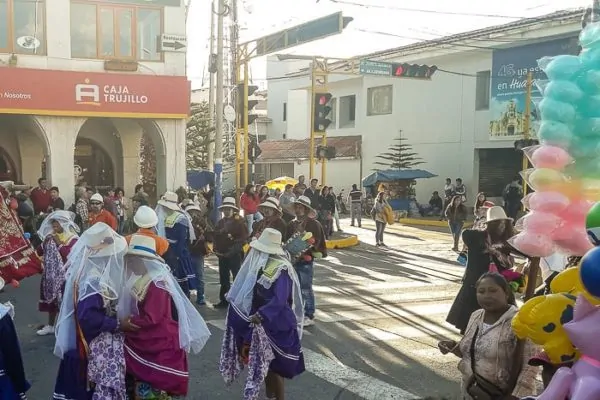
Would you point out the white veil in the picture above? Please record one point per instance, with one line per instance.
(242, 289)
(95, 266)
(66, 219)
(193, 331)
(161, 213)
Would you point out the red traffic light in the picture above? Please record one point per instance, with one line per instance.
(399, 70)
(417, 71)
(323, 98)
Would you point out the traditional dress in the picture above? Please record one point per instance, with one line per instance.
(88, 340)
(53, 252)
(13, 383)
(156, 354)
(268, 286)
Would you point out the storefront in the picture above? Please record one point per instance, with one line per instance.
(88, 126)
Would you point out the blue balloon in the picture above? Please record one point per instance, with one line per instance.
(589, 271)
(555, 133)
(560, 67)
(589, 81)
(557, 111)
(563, 91)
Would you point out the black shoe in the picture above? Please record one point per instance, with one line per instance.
(353, 225)
(221, 304)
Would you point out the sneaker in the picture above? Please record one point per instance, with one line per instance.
(46, 330)
(308, 322)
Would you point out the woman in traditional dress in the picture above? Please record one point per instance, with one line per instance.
(13, 383)
(58, 233)
(264, 319)
(155, 354)
(88, 335)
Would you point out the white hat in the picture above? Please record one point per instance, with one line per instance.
(97, 197)
(229, 202)
(145, 217)
(305, 201)
(143, 246)
(496, 213)
(192, 207)
(269, 242)
(271, 202)
(103, 240)
(170, 200)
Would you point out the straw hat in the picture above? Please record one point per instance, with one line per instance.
(170, 200)
(145, 217)
(496, 213)
(272, 203)
(305, 201)
(143, 246)
(229, 202)
(269, 242)
(103, 240)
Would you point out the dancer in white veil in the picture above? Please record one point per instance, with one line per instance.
(264, 322)
(88, 334)
(156, 354)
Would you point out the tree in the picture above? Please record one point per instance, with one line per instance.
(198, 136)
(148, 164)
(399, 156)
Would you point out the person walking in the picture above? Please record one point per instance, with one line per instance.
(198, 249)
(355, 198)
(380, 217)
(456, 214)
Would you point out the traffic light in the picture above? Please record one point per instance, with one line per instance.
(321, 111)
(253, 148)
(327, 152)
(245, 104)
(416, 71)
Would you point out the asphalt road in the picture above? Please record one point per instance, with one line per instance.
(380, 313)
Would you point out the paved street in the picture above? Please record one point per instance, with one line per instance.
(380, 314)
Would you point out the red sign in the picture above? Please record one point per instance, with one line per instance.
(92, 94)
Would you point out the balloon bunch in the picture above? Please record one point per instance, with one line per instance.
(566, 166)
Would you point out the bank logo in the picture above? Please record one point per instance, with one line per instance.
(87, 94)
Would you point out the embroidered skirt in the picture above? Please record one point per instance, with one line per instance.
(138, 390)
(13, 384)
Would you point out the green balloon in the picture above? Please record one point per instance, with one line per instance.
(592, 220)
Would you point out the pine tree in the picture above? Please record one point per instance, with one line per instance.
(148, 164)
(400, 156)
(198, 136)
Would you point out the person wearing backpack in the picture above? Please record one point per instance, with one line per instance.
(513, 194)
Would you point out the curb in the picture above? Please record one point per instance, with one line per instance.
(426, 222)
(349, 241)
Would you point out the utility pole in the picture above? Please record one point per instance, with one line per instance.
(211, 87)
(219, 108)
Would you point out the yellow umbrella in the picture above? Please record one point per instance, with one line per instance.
(279, 183)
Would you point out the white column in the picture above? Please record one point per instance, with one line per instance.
(173, 159)
(62, 133)
(32, 151)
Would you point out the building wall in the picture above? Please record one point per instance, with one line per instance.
(437, 117)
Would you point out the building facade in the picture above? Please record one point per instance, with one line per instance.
(82, 81)
(462, 123)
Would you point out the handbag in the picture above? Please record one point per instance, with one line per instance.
(478, 387)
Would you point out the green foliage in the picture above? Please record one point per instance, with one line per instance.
(400, 156)
(198, 136)
(148, 164)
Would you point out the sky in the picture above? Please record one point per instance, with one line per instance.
(377, 24)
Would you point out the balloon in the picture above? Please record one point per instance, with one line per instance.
(556, 110)
(541, 320)
(538, 222)
(547, 202)
(555, 133)
(569, 281)
(546, 156)
(592, 224)
(560, 67)
(562, 91)
(590, 271)
(532, 244)
(541, 178)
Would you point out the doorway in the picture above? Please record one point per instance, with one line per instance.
(94, 165)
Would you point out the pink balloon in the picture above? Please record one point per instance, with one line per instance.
(550, 157)
(549, 202)
(539, 222)
(532, 244)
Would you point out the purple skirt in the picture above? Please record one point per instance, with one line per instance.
(71, 382)
(289, 359)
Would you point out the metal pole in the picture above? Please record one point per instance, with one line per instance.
(526, 125)
(238, 129)
(324, 88)
(211, 89)
(246, 139)
(219, 108)
(311, 151)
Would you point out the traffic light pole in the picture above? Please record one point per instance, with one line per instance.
(319, 75)
(218, 159)
(313, 90)
(245, 126)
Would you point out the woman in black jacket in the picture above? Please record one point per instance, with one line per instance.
(326, 208)
(456, 214)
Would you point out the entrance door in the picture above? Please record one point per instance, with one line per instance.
(95, 165)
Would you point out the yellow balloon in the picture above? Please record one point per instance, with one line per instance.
(569, 281)
(545, 178)
(540, 320)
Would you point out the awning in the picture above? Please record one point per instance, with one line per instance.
(396, 175)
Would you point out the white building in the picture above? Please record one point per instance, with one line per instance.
(463, 122)
(82, 81)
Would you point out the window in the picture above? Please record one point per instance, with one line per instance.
(482, 90)
(347, 111)
(380, 100)
(284, 112)
(112, 31)
(22, 27)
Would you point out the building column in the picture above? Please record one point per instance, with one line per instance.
(131, 135)
(32, 152)
(171, 165)
(62, 133)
